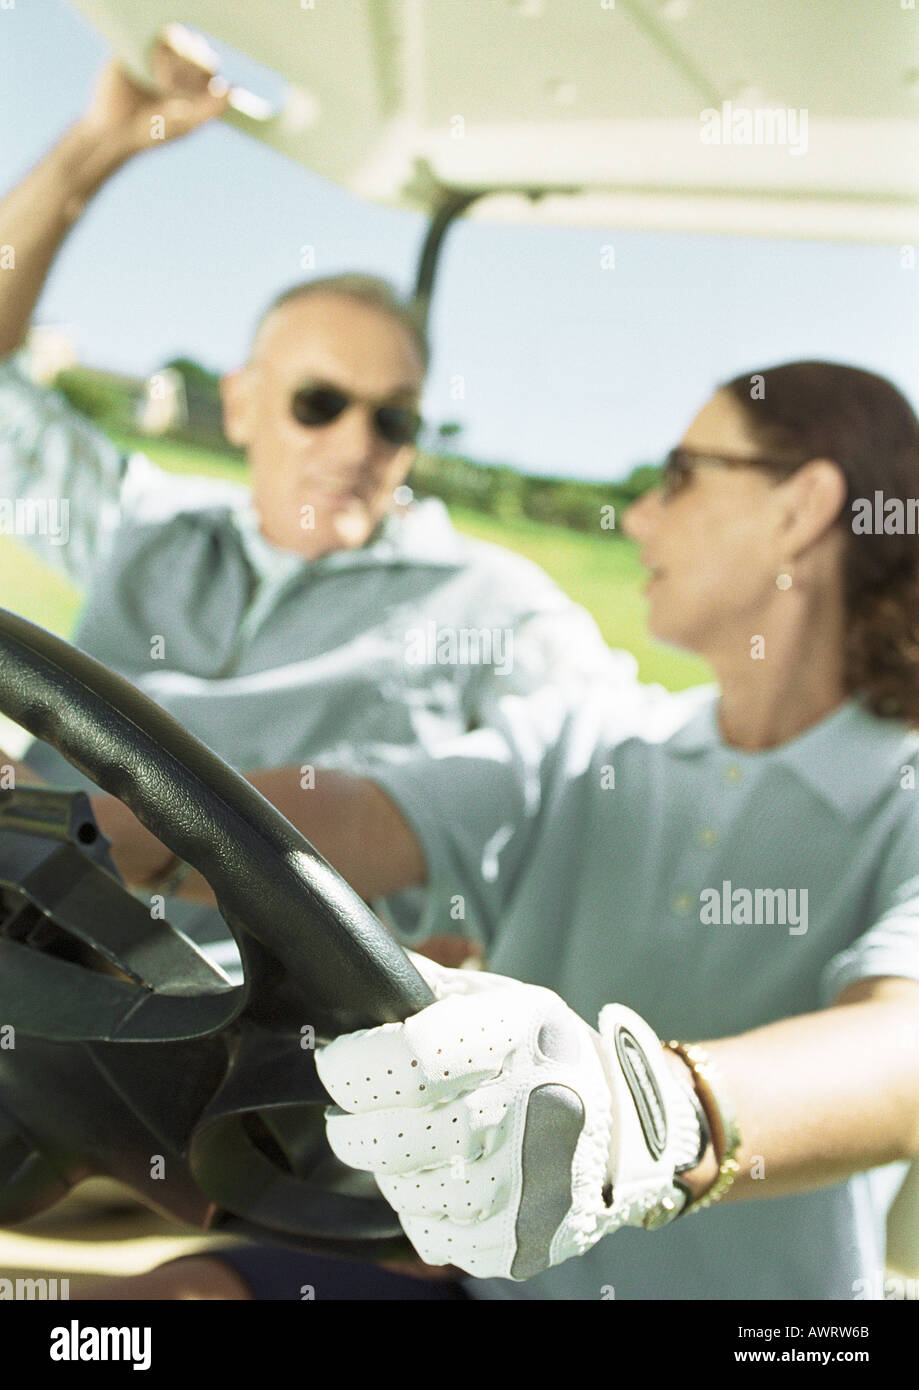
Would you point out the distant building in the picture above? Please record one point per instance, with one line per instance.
(177, 402)
(164, 408)
(183, 402)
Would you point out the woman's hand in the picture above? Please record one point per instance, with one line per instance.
(506, 1133)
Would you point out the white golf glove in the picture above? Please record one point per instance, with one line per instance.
(507, 1134)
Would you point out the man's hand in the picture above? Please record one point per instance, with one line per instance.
(129, 118)
(506, 1133)
(139, 856)
(121, 120)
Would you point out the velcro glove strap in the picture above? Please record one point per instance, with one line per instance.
(495, 1120)
(658, 1128)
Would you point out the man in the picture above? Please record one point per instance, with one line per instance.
(321, 613)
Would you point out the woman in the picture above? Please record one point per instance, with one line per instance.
(738, 865)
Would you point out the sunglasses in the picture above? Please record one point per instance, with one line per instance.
(318, 405)
(679, 464)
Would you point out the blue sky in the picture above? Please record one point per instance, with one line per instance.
(568, 368)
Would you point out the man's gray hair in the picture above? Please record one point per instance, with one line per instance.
(371, 290)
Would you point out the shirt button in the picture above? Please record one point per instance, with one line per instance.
(732, 773)
(683, 903)
(708, 836)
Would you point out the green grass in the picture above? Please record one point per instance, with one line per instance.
(185, 458)
(601, 572)
(29, 587)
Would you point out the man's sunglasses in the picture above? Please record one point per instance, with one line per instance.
(678, 466)
(315, 406)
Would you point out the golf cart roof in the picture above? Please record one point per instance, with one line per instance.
(753, 117)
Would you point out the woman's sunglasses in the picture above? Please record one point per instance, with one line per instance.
(315, 406)
(679, 464)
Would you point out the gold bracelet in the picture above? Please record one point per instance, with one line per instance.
(721, 1118)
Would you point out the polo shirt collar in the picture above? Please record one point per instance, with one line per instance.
(850, 758)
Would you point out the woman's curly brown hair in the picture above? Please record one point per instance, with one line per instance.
(864, 425)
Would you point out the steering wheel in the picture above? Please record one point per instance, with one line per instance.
(145, 1049)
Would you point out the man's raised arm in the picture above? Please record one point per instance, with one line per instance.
(120, 121)
(51, 455)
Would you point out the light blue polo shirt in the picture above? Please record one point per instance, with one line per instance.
(635, 857)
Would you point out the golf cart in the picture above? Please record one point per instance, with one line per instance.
(198, 1094)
